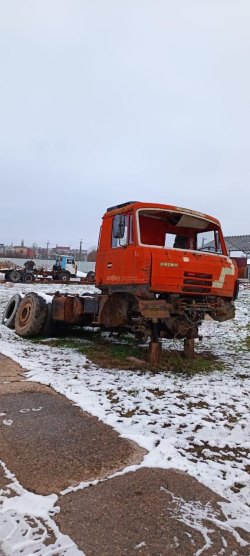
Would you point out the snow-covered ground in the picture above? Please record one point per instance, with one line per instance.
(197, 423)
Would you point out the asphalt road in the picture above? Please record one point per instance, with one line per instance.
(51, 445)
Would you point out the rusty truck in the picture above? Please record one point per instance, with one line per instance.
(159, 270)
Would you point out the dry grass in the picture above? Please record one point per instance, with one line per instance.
(112, 353)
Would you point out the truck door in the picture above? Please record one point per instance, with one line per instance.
(70, 266)
(119, 259)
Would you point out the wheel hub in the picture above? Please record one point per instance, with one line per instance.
(25, 314)
(15, 275)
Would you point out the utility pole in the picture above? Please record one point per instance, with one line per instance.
(80, 250)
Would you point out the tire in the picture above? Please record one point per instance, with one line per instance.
(90, 276)
(51, 327)
(48, 328)
(64, 276)
(10, 311)
(15, 276)
(31, 315)
(28, 277)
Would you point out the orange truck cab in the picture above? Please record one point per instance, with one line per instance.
(158, 253)
(160, 269)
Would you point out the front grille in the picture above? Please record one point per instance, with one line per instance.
(197, 282)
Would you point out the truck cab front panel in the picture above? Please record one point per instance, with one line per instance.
(192, 273)
(188, 252)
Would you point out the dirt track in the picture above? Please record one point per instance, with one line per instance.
(50, 444)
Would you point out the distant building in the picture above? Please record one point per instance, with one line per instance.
(236, 244)
(61, 250)
(2, 249)
(239, 250)
(239, 244)
(23, 252)
(66, 250)
(20, 250)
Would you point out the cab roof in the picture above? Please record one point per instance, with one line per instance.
(135, 205)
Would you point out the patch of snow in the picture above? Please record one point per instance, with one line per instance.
(196, 515)
(7, 422)
(140, 545)
(46, 297)
(26, 523)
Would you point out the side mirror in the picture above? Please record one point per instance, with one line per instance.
(118, 226)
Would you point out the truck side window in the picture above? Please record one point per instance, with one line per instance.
(209, 241)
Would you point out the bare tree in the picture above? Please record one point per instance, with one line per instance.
(91, 256)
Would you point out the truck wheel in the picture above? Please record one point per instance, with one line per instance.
(31, 315)
(15, 276)
(90, 276)
(48, 327)
(10, 311)
(64, 276)
(28, 277)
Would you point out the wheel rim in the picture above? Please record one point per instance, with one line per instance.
(15, 276)
(28, 278)
(25, 314)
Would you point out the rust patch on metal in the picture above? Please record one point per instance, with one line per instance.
(153, 308)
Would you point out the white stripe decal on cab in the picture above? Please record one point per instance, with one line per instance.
(226, 271)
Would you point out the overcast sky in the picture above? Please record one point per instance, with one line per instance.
(104, 101)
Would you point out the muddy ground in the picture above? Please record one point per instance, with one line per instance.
(53, 447)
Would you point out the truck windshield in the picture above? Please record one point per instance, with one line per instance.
(176, 230)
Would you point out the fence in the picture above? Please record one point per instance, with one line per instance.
(83, 266)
